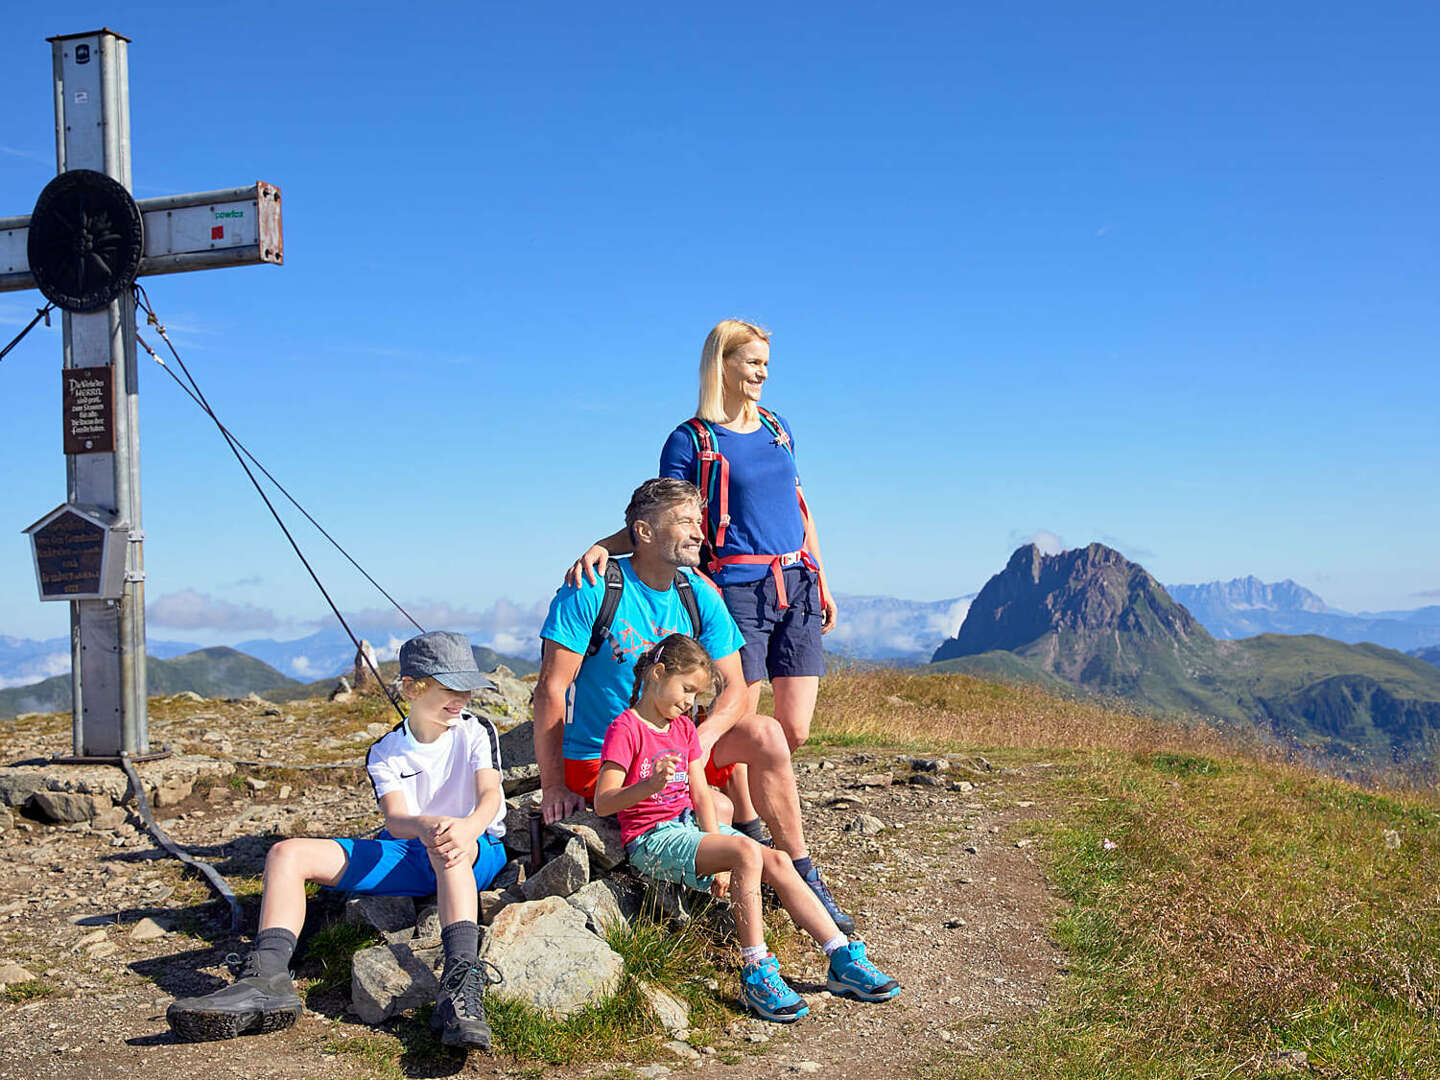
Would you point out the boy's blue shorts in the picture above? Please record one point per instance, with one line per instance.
(386, 866)
(778, 643)
(667, 851)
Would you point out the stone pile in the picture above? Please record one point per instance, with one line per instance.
(545, 931)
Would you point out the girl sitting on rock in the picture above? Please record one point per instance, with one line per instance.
(652, 774)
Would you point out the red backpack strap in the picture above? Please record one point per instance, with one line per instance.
(713, 482)
(772, 422)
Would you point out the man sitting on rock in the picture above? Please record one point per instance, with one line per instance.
(578, 695)
(437, 778)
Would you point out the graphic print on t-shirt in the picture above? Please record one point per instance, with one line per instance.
(628, 643)
(677, 790)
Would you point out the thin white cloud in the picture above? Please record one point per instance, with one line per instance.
(191, 610)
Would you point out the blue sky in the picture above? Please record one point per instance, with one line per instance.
(1160, 278)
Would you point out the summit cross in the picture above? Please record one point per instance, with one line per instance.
(83, 246)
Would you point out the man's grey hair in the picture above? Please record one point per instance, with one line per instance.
(654, 497)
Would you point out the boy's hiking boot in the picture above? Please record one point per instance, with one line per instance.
(252, 1004)
(853, 975)
(844, 923)
(767, 995)
(459, 1011)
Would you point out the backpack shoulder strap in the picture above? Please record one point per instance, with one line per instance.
(685, 590)
(614, 586)
(714, 483)
(772, 423)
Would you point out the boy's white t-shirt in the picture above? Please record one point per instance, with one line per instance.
(437, 777)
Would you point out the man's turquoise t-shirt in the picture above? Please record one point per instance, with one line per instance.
(602, 688)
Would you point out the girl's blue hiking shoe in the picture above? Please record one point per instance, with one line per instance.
(767, 995)
(853, 975)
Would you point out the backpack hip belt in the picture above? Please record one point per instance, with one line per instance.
(777, 564)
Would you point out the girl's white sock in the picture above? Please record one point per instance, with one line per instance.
(753, 954)
(839, 941)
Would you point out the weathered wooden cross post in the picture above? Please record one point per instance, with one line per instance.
(83, 246)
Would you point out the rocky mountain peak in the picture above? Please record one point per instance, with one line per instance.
(1083, 592)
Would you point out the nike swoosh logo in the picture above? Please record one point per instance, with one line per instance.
(408, 775)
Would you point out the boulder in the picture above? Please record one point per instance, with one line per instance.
(866, 825)
(147, 929)
(517, 821)
(427, 923)
(391, 915)
(549, 959)
(517, 746)
(64, 807)
(388, 979)
(671, 1011)
(598, 900)
(562, 875)
(173, 790)
(16, 787)
(518, 779)
(12, 973)
(366, 664)
(601, 836)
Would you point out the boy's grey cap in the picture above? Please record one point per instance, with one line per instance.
(445, 657)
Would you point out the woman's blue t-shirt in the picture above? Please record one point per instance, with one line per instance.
(764, 512)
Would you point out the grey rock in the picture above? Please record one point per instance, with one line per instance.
(387, 914)
(494, 901)
(961, 785)
(883, 779)
(12, 973)
(682, 1050)
(598, 900)
(7, 820)
(173, 790)
(601, 836)
(388, 979)
(147, 929)
(66, 807)
(1286, 1061)
(921, 779)
(866, 825)
(652, 1072)
(427, 923)
(517, 746)
(511, 874)
(518, 779)
(929, 765)
(549, 959)
(517, 820)
(16, 787)
(671, 1011)
(562, 875)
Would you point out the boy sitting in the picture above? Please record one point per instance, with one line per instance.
(437, 778)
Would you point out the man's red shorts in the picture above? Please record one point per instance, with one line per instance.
(580, 776)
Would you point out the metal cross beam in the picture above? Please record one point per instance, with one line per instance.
(77, 545)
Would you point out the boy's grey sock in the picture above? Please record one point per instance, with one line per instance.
(754, 828)
(461, 941)
(272, 952)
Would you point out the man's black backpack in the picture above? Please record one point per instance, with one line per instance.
(615, 585)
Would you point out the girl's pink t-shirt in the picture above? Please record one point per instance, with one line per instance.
(635, 745)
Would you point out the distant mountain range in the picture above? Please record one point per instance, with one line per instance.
(1095, 620)
(218, 672)
(1247, 606)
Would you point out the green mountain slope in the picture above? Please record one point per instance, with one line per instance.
(217, 672)
(1095, 620)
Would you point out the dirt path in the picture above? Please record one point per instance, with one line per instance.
(946, 900)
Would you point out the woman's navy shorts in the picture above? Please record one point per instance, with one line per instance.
(778, 643)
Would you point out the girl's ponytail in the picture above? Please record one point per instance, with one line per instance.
(679, 653)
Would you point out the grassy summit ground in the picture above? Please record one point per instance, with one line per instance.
(1225, 911)
(1219, 913)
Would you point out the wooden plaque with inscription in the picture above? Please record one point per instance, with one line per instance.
(88, 410)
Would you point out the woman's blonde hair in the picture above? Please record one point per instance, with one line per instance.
(728, 335)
